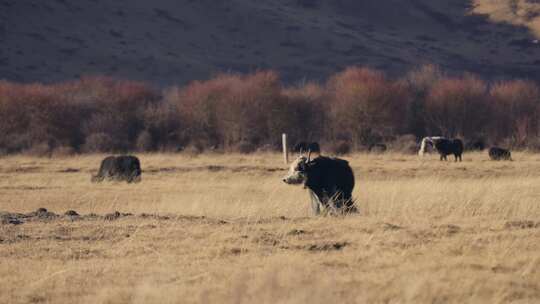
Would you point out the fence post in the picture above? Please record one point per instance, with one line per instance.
(285, 152)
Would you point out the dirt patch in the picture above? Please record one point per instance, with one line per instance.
(29, 169)
(25, 188)
(268, 239)
(44, 215)
(389, 226)
(71, 213)
(234, 251)
(333, 246)
(448, 229)
(40, 214)
(6, 220)
(115, 215)
(295, 232)
(154, 216)
(521, 224)
(451, 229)
(69, 170)
(270, 220)
(14, 239)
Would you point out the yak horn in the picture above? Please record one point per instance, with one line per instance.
(309, 156)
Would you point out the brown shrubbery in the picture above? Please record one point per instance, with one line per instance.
(515, 111)
(354, 110)
(365, 107)
(457, 107)
(92, 114)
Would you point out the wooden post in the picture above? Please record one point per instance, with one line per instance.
(285, 152)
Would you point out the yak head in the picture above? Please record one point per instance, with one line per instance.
(298, 170)
(428, 143)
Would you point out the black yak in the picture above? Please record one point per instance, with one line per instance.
(497, 153)
(302, 147)
(330, 182)
(444, 146)
(120, 168)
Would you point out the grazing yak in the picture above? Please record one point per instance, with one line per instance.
(497, 153)
(330, 182)
(444, 146)
(120, 168)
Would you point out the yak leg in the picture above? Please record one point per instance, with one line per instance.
(335, 204)
(97, 179)
(315, 203)
(351, 208)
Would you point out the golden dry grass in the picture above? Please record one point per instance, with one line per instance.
(517, 12)
(428, 232)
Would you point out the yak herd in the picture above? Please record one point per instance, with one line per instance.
(329, 180)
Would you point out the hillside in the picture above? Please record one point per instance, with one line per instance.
(174, 41)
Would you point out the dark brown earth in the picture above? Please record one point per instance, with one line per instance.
(43, 215)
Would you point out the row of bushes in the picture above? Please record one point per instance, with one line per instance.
(356, 108)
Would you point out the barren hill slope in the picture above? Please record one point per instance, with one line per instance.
(174, 41)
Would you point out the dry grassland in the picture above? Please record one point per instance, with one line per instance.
(225, 229)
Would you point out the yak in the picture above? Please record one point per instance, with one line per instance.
(497, 153)
(303, 146)
(330, 182)
(120, 168)
(443, 145)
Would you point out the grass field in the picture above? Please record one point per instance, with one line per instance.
(225, 229)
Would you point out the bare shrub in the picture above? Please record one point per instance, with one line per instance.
(365, 105)
(66, 113)
(15, 142)
(194, 149)
(63, 151)
(339, 148)
(404, 144)
(423, 78)
(229, 108)
(144, 141)
(533, 144)
(244, 147)
(242, 112)
(268, 148)
(163, 125)
(419, 82)
(457, 106)
(302, 114)
(39, 150)
(515, 111)
(99, 142)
